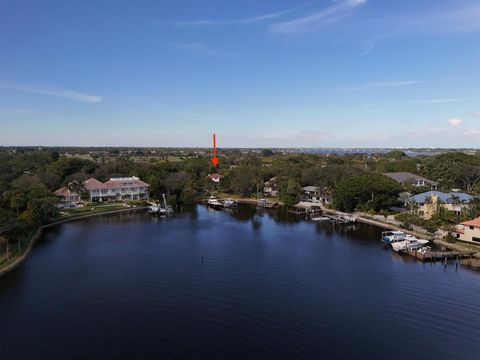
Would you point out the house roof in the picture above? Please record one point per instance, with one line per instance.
(114, 183)
(403, 177)
(475, 222)
(444, 197)
(310, 188)
(93, 184)
(133, 181)
(64, 191)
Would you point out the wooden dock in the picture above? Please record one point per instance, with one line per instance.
(440, 255)
(304, 211)
(341, 219)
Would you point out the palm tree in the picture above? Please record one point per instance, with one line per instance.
(78, 188)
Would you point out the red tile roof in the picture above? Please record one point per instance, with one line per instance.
(93, 184)
(475, 222)
(64, 191)
(115, 183)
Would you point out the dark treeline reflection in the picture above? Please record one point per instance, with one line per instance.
(237, 284)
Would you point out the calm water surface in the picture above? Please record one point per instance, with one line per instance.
(270, 287)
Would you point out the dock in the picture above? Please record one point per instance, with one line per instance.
(304, 211)
(440, 255)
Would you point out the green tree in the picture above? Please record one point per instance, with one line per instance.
(289, 191)
(368, 191)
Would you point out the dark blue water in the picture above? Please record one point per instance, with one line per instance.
(270, 287)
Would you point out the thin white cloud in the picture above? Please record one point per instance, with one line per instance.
(476, 114)
(382, 85)
(461, 18)
(49, 91)
(245, 21)
(455, 122)
(330, 15)
(472, 132)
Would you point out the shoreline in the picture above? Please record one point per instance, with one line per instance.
(18, 261)
(473, 263)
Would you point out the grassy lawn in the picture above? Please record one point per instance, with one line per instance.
(91, 209)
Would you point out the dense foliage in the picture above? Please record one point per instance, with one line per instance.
(369, 191)
(29, 176)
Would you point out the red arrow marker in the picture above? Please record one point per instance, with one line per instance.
(214, 158)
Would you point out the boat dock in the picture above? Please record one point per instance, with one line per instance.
(304, 211)
(341, 219)
(440, 255)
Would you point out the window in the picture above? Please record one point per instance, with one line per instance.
(476, 239)
(471, 227)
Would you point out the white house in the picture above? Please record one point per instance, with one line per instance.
(67, 197)
(215, 177)
(469, 231)
(270, 187)
(312, 193)
(122, 188)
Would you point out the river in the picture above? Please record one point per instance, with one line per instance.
(270, 286)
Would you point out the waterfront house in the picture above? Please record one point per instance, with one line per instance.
(67, 197)
(270, 187)
(122, 188)
(407, 178)
(428, 203)
(468, 231)
(315, 195)
(312, 193)
(215, 177)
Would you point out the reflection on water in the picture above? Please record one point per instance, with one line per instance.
(240, 284)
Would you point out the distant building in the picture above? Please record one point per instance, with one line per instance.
(67, 197)
(468, 231)
(406, 178)
(428, 203)
(215, 177)
(315, 195)
(123, 188)
(312, 193)
(270, 187)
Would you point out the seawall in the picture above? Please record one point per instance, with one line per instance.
(39, 233)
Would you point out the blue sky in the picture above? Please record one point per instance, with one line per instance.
(270, 73)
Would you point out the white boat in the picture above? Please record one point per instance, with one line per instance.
(262, 203)
(320, 218)
(154, 209)
(349, 218)
(390, 237)
(399, 246)
(157, 209)
(214, 202)
(416, 244)
(410, 243)
(229, 203)
(424, 250)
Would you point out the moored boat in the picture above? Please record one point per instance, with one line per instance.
(410, 243)
(229, 203)
(213, 202)
(390, 237)
(416, 244)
